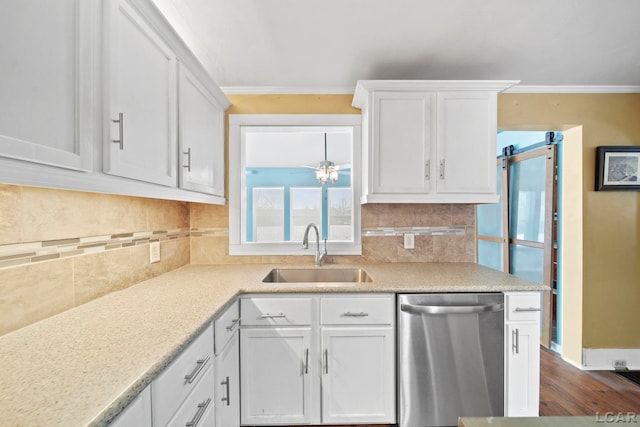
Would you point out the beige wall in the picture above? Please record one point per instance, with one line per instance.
(37, 219)
(610, 270)
(213, 247)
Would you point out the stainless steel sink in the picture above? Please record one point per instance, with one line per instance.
(317, 275)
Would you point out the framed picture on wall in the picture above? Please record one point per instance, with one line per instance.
(617, 168)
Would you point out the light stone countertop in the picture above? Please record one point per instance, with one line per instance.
(83, 366)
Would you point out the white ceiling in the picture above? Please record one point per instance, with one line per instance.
(330, 44)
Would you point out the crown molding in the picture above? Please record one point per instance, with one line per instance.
(288, 90)
(350, 90)
(573, 89)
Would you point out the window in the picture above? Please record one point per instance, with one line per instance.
(273, 190)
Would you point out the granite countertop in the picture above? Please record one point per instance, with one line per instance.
(81, 367)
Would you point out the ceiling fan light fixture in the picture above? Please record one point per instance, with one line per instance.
(327, 172)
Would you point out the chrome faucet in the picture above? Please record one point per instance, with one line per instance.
(305, 244)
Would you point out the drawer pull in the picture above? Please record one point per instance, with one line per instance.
(188, 154)
(199, 365)
(226, 398)
(350, 314)
(515, 347)
(525, 310)
(272, 316)
(202, 407)
(234, 323)
(120, 122)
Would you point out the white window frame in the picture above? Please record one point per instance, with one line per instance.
(237, 198)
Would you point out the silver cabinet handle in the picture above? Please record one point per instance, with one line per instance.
(188, 154)
(199, 365)
(306, 361)
(450, 309)
(233, 324)
(442, 169)
(527, 309)
(120, 122)
(326, 361)
(350, 314)
(202, 407)
(226, 398)
(515, 347)
(427, 170)
(272, 316)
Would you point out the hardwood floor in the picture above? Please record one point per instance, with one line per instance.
(566, 390)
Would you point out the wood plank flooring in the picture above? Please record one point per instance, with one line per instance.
(566, 390)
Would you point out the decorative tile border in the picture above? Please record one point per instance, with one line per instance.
(210, 232)
(418, 231)
(32, 252)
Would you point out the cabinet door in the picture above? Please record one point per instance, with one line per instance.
(201, 137)
(227, 382)
(466, 150)
(522, 377)
(275, 369)
(142, 79)
(403, 127)
(358, 375)
(137, 414)
(45, 88)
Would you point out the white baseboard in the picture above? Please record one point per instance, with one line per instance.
(601, 359)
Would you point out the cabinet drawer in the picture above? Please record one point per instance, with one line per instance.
(275, 311)
(198, 405)
(225, 326)
(174, 384)
(357, 310)
(522, 306)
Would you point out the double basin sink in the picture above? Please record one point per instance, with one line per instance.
(335, 276)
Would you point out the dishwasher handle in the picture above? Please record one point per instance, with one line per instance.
(451, 309)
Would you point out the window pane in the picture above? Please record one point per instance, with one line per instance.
(490, 215)
(527, 262)
(340, 214)
(268, 214)
(306, 208)
(527, 193)
(490, 254)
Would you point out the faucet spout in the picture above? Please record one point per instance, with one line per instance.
(305, 244)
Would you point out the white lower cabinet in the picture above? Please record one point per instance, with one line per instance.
(276, 376)
(227, 368)
(333, 363)
(358, 380)
(137, 414)
(522, 354)
(183, 389)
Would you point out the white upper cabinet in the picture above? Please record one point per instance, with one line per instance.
(140, 143)
(429, 141)
(91, 99)
(45, 82)
(201, 136)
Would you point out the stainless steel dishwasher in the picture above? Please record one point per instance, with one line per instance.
(450, 357)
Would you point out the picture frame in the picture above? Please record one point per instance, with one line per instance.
(617, 168)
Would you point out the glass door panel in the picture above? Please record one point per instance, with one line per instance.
(527, 190)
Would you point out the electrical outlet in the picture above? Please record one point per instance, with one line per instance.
(409, 240)
(154, 252)
(620, 365)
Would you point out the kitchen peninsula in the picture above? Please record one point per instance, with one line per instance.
(83, 366)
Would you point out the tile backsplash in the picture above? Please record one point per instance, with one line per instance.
(210, 240)
(60, 249)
